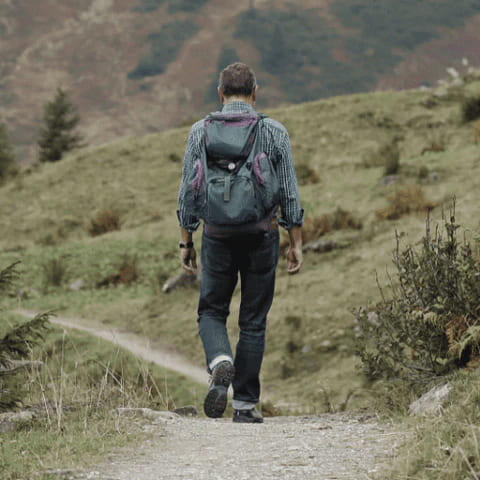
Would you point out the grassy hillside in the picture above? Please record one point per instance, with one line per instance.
(309, 364)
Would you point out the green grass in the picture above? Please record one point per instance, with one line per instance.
(75, 394)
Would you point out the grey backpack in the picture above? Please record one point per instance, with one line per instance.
(234, 181)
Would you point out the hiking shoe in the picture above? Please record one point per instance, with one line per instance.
(216, 399)
(247, 416)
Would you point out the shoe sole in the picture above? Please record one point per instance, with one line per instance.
(243, 419)
(216, 400)
(247, 420)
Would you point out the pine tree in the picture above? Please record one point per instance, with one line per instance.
(56, 137)
(15, 347)
(7, 155)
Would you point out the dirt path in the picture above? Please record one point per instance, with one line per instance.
(324, 447)
(136, 344)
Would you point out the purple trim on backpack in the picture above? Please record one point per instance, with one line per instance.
(232, 120)
(256, 166)
(197, 183)
(241, 120)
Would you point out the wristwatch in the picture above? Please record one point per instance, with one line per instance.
(186, 245)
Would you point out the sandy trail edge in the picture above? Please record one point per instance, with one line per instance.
(136, 344)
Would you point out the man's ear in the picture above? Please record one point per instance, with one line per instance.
(221, 96)
(254, 94)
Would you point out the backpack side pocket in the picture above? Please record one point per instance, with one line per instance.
(267, 181)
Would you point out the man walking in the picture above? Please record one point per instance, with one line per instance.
(227, 154)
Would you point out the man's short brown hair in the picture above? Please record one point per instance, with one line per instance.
(237, 79)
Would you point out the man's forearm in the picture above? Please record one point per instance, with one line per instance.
(185, 235)
(295, 234)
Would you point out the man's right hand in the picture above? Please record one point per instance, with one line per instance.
(294, 259)
(188, 259)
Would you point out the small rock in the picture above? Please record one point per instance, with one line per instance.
(389, 180)
(77, 285)
(434, 177)
(181, 280)
(11, 421)
(187, 411)
(306, 348)
(321, 246)
(155, 416)
(431, 403)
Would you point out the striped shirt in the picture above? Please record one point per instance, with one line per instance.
(275, 142)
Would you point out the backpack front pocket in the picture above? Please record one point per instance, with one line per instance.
(232, 201)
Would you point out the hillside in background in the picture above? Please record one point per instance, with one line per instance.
(140, 66)
(341, 148)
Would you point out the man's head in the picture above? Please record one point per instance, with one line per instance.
(237, 81)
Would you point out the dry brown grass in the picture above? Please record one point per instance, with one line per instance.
(404, 201)
(105, 221)
(126, 275)
(306, 174)
(315, 227)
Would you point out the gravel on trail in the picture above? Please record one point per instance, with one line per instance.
(324, 447)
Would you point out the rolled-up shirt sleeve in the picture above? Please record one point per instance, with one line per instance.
(292, 211)
(185, 218)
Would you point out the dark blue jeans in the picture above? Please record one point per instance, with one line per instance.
(255, 257)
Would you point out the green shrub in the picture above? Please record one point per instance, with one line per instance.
(430, 325)
(164, 47)
(390, 154)
(471, 109)
(54, 272)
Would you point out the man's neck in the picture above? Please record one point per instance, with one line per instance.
(232, 99)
